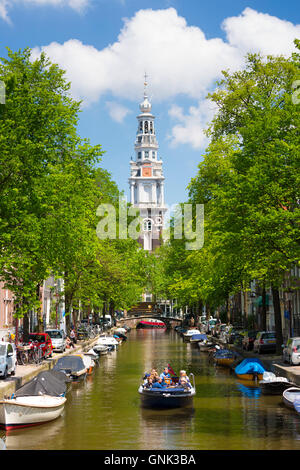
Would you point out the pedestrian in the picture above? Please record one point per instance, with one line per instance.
(73, 336)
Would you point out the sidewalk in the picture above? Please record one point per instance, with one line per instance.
(26, 373)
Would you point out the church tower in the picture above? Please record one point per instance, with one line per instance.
(146, 178)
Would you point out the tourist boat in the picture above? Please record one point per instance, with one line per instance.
(169, 397)
(290, 396)
(250, 369)
(189, 333)
(273, 385)
(151, 323)
(224, 357)
(20, 412)
(42, 399)
(73, 366)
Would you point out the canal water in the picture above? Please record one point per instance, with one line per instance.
(104, 412)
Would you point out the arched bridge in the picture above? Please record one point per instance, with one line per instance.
(133, 320)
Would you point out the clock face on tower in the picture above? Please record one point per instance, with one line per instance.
(146, 171)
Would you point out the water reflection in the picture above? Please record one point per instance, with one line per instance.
(248, 390)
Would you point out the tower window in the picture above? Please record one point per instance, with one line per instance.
(141, 126)
(153, 154)
(139, 154)
(146, 154)
(151, 127)
(147, 225)
(146, 127)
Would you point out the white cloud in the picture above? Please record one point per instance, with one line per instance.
(253, 31)
(117, 111)
(5, 5)
(178, 58)
(191, 126)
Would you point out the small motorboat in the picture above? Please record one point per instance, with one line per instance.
(273, 385)
(73, 366)
(250, 369)
(189, 333)
(151, 323)
(224, 357)
(42, 399)
(25, 411)
(290, 396)
(205, 345)
(101, 349)
(92, 354)
(120, 330)
(88, 362)
(167, 397)
(108, 341)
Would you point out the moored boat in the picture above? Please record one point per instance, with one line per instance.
(72, 366)
(20, 412)
(290, 396)
(189, 333)
(250, 369)
(197, 337)
(273, 385)
(151, 323)
(224, 357)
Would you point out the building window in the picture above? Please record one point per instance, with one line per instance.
(139, 154)
(146, 127)
(153, 154)
(151, 127)
(147, 225)
(141, 126)
(146, 154)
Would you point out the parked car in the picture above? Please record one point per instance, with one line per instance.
(58, 339)
(265, 341)
(8, 359)
(291, 351)
(248, 340)
(44, 341)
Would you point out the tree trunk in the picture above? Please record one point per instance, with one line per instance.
(264, 309)
(278, 323)
(39, 310)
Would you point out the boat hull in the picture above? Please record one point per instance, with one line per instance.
(23, 412)
(224, 361)
(251, 376)
(147, 325)
(291, 395)
(274, 388)
(165, 400)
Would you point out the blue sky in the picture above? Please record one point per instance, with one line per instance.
(106, 45)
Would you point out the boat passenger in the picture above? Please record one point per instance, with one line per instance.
(154, 375)
(159, 384)
(148, 383)
(183, 379)
(165, 374)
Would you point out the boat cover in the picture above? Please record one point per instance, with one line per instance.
(200, 337)
(250, 366)
(70, 363)
(172, 391)
(45, 383)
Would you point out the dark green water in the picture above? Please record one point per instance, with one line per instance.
(104, 412)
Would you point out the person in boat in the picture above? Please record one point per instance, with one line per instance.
(165, 374)
(148, 383)
(184, 380)
(154, 375)
(159, 383)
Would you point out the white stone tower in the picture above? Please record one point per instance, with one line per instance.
(146, 178)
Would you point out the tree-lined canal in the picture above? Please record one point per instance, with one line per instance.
(104, 412)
